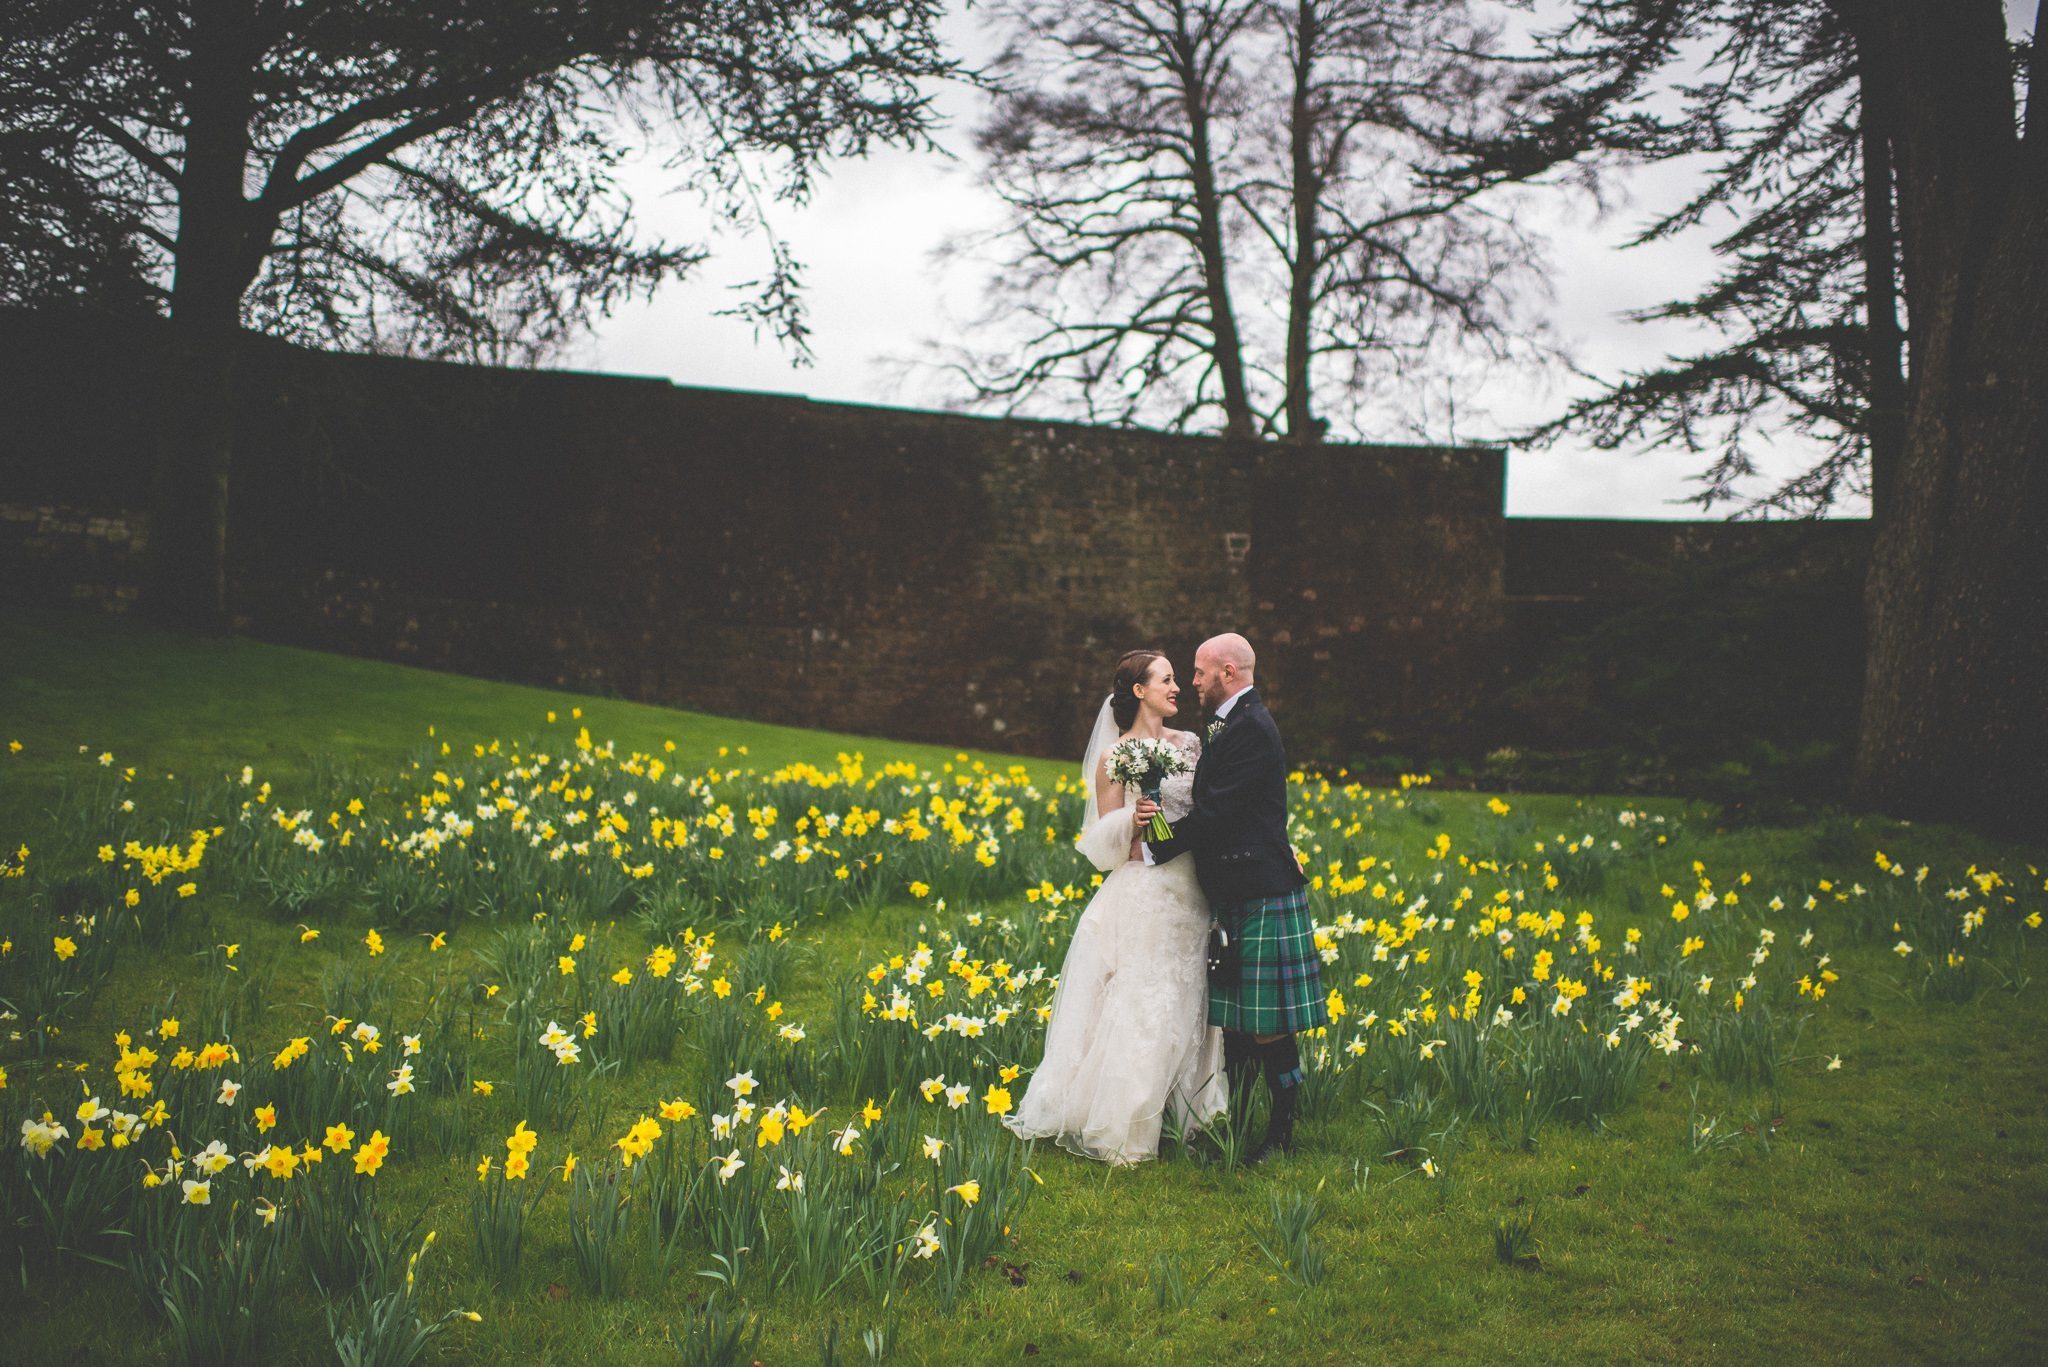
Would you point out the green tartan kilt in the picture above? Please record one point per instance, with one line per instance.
(1279, 990)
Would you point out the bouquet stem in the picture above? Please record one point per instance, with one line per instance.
(1156, 828)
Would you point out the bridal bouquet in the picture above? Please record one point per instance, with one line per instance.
(1147, 763)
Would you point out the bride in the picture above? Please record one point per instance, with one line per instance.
(1129, 1035)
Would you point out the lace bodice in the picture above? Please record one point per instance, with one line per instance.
(1177, 793)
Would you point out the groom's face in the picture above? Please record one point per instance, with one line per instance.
(1212, 681)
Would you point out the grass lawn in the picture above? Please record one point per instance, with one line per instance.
(1742, 1200)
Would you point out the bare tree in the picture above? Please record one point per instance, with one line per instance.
(426, 175)
(1115, 278)
(1158, 159)
(1382, 270)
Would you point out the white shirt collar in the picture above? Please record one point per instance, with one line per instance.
(1223, 708)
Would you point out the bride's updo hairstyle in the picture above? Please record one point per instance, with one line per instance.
(1130, 672)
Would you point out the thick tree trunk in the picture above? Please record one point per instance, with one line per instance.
(1228, 352)
(1308, 193)
(217, 256)
(1955, 712)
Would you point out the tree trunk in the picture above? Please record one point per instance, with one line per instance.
(1955, 710)
(1228, 351)
(1308, 192)
(217, 256)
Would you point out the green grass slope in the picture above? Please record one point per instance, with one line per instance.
(1891, 1208)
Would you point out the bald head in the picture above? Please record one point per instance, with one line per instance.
(1232, 649)
(1223, 667)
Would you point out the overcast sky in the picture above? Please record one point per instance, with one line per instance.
(876, 296)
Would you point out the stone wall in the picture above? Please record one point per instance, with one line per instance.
(910, 574)
(921, 575)
(1612, 559)
(51, 552)
(1703, 644)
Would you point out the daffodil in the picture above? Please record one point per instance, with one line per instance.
(638, 1141)
(371, 1153)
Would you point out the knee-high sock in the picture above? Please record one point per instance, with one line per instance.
(1282, 1058)
(1240, 1056)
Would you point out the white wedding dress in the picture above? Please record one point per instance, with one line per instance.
(1129, 1036)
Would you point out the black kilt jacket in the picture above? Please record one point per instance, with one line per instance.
(1237, 831)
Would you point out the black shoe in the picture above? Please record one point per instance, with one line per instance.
(1271, 1148)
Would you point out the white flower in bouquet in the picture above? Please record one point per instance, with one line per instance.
(1147, 763)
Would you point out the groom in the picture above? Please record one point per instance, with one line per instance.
(1238, 835)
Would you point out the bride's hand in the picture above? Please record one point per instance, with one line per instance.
(1147, 808)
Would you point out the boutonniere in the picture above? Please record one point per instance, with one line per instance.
(1217, 726)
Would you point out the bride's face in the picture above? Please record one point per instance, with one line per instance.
(1159, 695)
